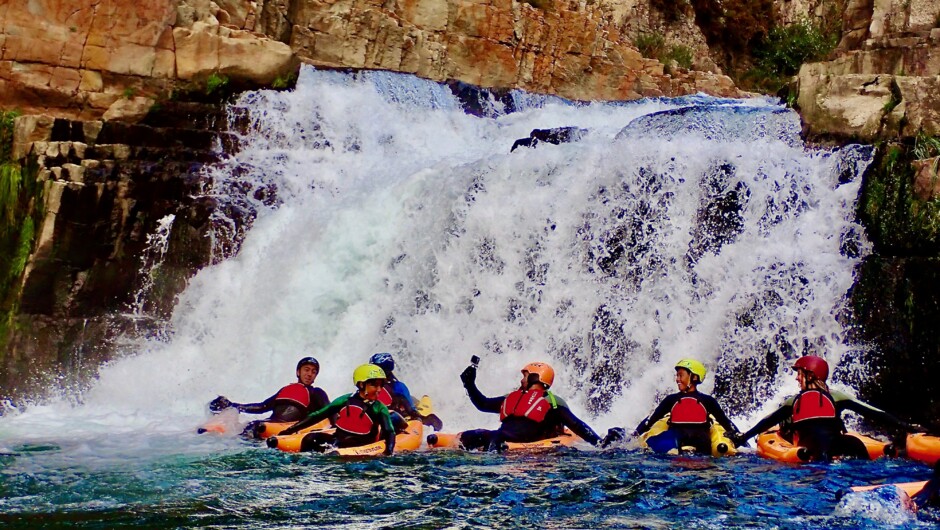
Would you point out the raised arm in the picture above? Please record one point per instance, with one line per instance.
(481, 402)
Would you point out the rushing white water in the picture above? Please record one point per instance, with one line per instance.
(387, 219)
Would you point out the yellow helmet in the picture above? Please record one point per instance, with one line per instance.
(367, 372)
(694, 367)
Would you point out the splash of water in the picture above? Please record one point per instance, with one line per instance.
(152, 259)
(369, 213)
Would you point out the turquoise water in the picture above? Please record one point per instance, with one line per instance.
(246, 486)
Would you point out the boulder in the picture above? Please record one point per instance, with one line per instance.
(207, 49)
(129, 110)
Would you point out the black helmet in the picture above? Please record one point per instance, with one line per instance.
(308, 360)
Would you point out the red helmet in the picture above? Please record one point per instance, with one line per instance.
(814, 365)
(545, 373)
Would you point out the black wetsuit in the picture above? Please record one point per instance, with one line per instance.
(520, 429)
(283, 410)
(825, 438)
(694, 435)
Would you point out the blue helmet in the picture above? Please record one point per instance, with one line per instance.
(383, 361)
(308, 360)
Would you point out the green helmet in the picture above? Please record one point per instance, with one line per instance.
(694, 367)
(367, 372)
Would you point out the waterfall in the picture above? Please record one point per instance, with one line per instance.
(368, 212)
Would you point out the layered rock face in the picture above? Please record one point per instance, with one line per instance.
(106, 187)
(575, 49)
(81, 59)
(78, 59)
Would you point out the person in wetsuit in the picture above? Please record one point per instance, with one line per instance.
(691, 414)
(528, 414)
(396, 396)
(361, 419)
(813, 418)
(291, 403)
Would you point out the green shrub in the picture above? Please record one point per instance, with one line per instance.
(786, 48)
(7, 117)
(285, 81)
(926, 146)
(651, 45)
(682, 55)
(780, 54)
(215, 82)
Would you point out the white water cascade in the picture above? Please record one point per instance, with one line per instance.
(388, 219)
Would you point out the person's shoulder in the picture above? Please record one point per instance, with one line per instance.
(702, 396)
(557, 401)
(840, 395)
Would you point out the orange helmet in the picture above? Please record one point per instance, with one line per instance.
(546, 375)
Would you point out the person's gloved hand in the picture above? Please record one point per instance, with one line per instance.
(614, 435)
(736, 438)
(219, 404)
(469, 376)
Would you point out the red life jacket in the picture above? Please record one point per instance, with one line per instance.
(295, 392)
(688, 411)
(530, 404)
(353, 419)
(385, 397)
(812, 405)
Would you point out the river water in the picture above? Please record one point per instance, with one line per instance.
(372, 212)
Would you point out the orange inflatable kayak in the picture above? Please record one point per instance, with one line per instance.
(772, 445)
(409, 440)
(911, 488)
(262, 430)
(923, 447)
(452, 441)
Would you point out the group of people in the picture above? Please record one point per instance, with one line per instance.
(381, 406)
